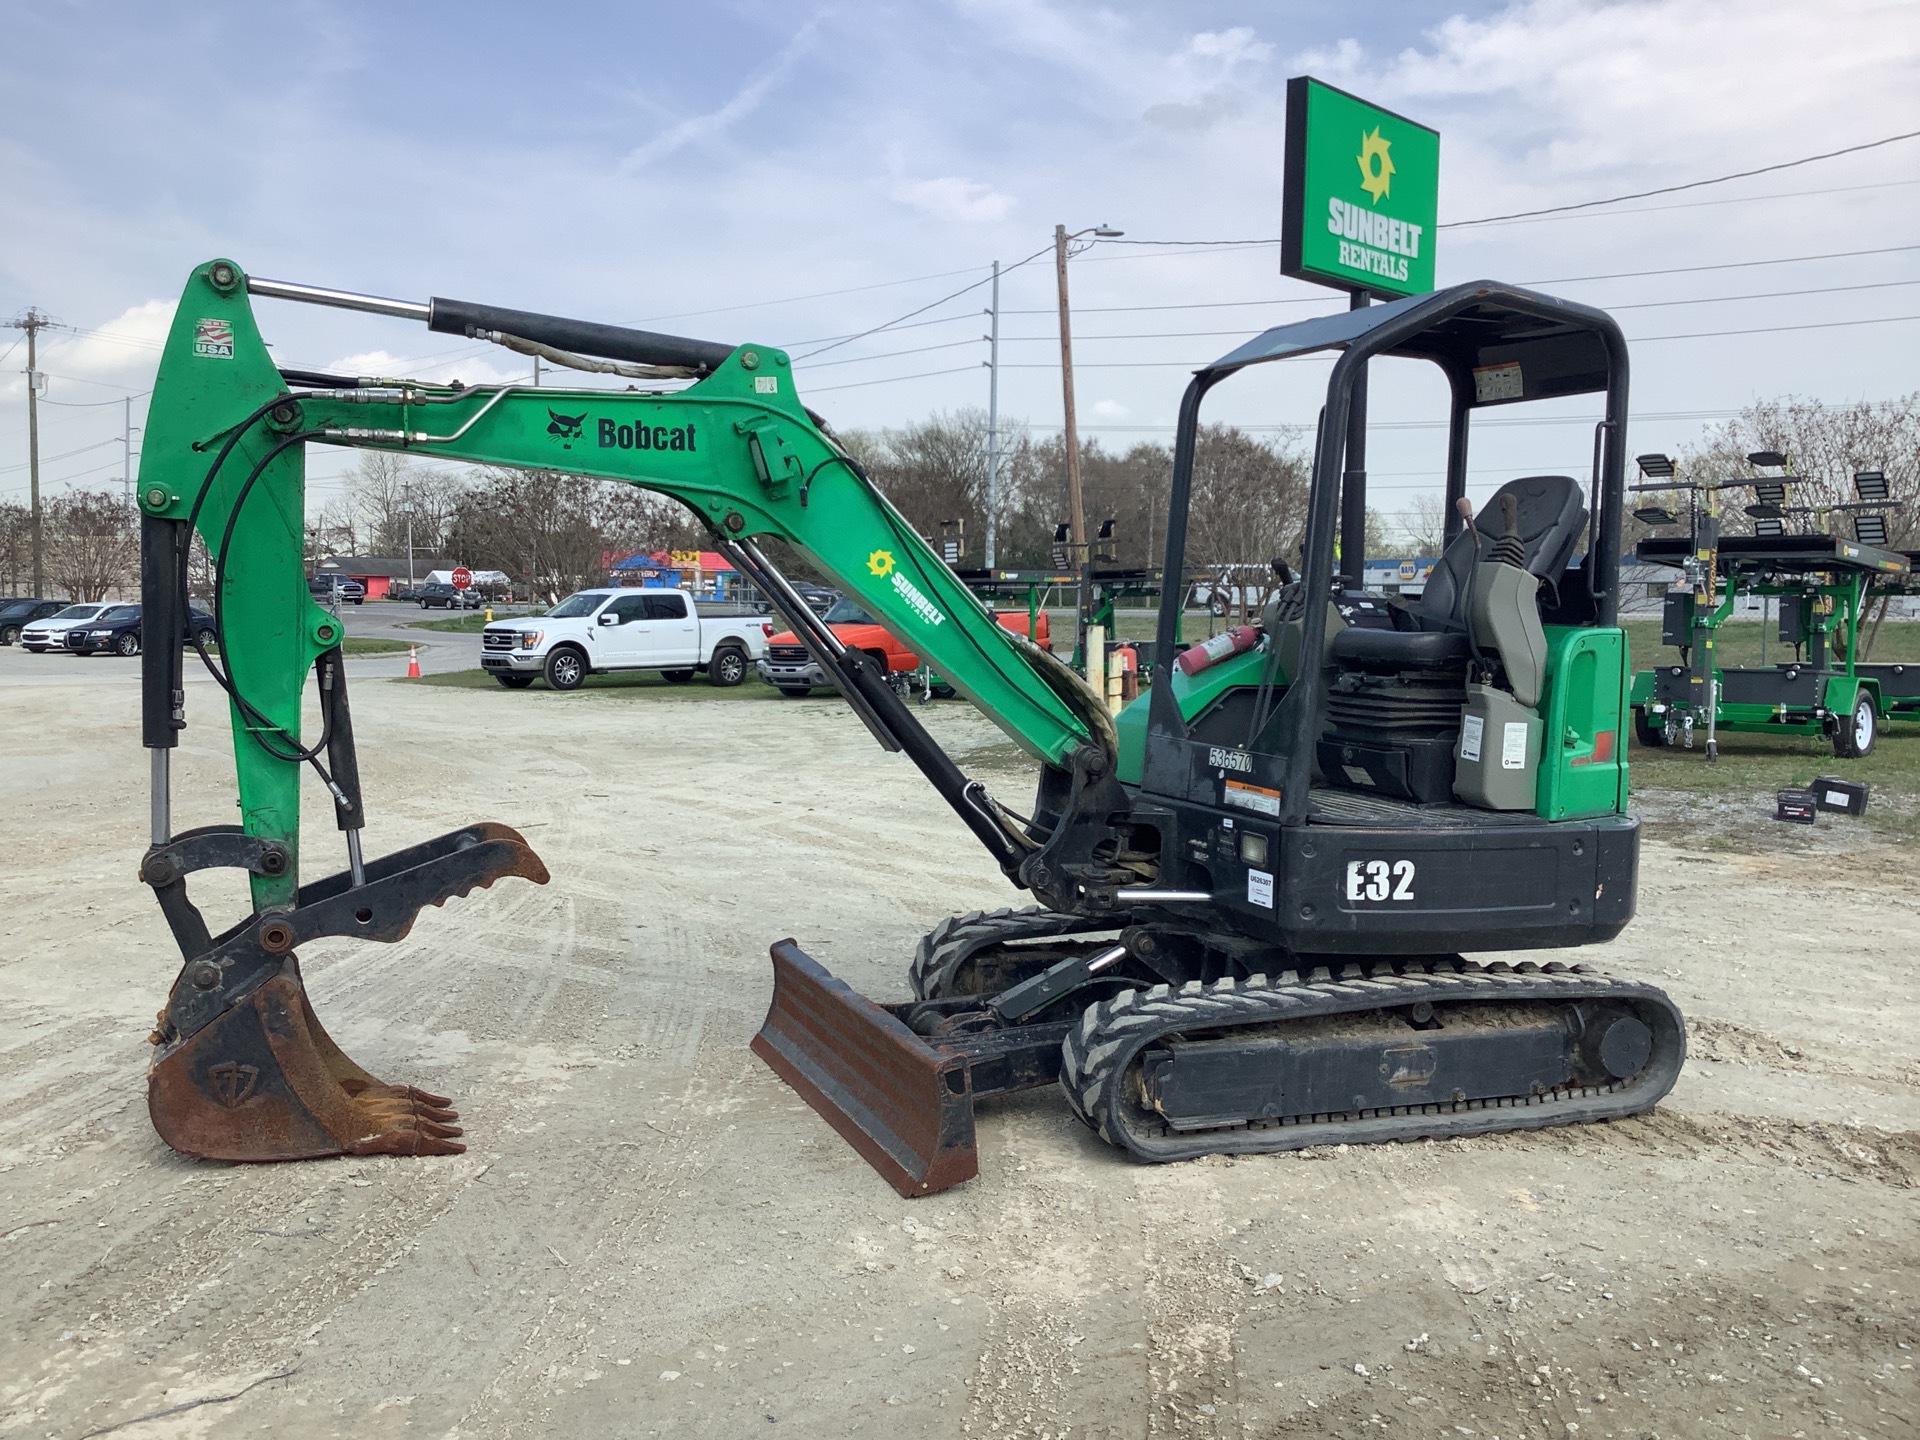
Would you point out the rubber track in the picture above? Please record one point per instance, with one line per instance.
(1112, 1034)
(950, 944)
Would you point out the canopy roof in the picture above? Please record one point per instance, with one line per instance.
(1477, 332)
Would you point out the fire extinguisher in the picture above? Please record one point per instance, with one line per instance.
(1223, 646)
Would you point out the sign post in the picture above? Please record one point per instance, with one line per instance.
(1360, 201)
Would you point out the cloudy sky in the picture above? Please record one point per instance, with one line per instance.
(797, 173)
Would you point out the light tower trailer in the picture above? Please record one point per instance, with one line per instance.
(1823, 583)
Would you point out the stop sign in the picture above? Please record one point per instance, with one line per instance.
(462, 578)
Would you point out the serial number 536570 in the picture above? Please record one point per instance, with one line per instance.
(1380, 880)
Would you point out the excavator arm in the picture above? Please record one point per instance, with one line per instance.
(243, 1069)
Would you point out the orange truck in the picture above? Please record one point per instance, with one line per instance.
(794, 673)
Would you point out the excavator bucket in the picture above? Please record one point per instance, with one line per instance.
(264, 1081)
(243, 1069)
(906, 1106)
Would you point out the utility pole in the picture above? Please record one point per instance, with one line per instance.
(1076, 502)
(536, 372)
(33, 322)
(126, 456)
(993, 422)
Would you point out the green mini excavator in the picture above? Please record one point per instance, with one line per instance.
(1258, 886)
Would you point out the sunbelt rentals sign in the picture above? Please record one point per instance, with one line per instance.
(1361, 193)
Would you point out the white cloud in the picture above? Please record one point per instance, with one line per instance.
(957, 201)
(1110, 410)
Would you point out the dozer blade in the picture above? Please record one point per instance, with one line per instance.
(904, 1105)
(244, 1071)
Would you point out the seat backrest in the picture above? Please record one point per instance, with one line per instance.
(1550, 519)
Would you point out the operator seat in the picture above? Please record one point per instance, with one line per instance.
(1395, 703)
(1552, 517)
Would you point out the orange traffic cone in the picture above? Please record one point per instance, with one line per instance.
(413, 662)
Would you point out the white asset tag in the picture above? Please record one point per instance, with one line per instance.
(1260, 888)
(1513, 748)
(1472, 727)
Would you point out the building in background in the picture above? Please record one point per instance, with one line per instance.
(704, 573)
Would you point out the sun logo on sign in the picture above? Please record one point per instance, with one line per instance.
(1376, 165)
(880, 563)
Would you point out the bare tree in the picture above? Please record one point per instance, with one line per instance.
(555, 531)
(1249, 499)
(1419, 526)
(1827, 445)
(16, 548)
(92, 543)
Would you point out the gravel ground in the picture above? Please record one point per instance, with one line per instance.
(651, 1235)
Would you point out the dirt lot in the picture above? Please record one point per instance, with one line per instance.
(650, 1235)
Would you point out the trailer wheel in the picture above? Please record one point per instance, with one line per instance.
(1854, 739)
(566, 669)
(728, 667)
(1645, 731)
(676, 677)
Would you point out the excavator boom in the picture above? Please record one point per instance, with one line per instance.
(243, 1069)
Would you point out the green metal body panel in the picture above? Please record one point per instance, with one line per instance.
(1193, 694)
(1583, 764)
(696, 445)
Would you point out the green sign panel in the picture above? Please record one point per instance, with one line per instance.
(1361, 193)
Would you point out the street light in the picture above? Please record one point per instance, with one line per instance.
(1076, 504)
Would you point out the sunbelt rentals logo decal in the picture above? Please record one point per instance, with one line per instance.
(1372, 242)
(881, 566)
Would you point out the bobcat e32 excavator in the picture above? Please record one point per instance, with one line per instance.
(1256, 888)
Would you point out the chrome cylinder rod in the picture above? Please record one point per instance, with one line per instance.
(338, 299)
(356, 867)
(161, 796)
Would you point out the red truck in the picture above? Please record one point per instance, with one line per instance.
(789, 669)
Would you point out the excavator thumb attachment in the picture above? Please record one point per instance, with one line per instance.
(904, 1105)
(243, 1069)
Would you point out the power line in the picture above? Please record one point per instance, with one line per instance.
(892, 354)
(1230, 334)
(1774, 329)
(1200, 364)
(1709, 204)
(1690, 185)
(894, 379)
(93, 404)
(987, 279)
(64, 455)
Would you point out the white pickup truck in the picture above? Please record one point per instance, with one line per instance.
(594, 631)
